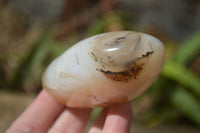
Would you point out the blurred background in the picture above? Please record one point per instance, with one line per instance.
(34, 32)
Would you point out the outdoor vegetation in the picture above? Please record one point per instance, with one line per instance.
(29, 43)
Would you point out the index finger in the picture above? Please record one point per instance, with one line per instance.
(39, 116)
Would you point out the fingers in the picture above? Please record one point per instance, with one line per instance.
(71, 121)
(44, 111)
(99, 123)
(38, 117)
(118, 119)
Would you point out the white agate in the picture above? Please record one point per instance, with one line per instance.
(105, 69)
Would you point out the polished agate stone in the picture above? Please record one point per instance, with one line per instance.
(105, 69)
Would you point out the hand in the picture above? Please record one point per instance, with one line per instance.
(46, 115)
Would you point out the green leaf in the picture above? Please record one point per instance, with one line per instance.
(188, 50)
(95, 113)
(182, 76)
(187, 104)
(33, 59)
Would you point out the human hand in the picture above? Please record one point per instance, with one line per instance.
(46, 115)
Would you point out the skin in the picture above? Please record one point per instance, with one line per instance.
(46, 115)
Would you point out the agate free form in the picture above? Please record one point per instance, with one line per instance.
(105, 69)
